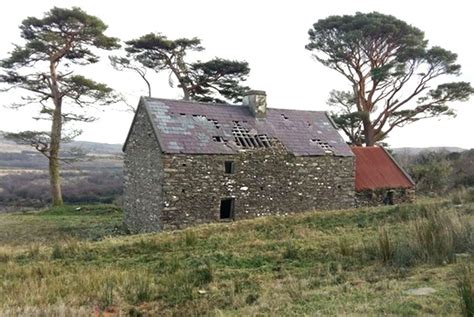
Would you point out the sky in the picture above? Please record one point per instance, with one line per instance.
(269, 35)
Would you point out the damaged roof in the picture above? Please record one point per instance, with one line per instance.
(377, 169)
(205, 128)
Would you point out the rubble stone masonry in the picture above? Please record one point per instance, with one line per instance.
(171, 191)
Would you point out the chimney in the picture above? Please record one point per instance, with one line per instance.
(256, 100)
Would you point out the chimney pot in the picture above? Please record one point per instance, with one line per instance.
(256, 100)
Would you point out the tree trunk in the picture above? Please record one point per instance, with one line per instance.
(56, 129)
(186, 93)
(183, 77)
(369, 133)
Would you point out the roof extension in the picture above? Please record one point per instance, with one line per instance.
(377, 169)
(205, 128)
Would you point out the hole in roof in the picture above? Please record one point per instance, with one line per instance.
(215, 122)
(219, 139)
(328, 149)
(182, 114)
(284, 116)
(243, 138)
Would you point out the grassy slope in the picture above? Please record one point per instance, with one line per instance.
(74, 262)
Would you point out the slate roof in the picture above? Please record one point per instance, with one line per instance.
(205, 128)
(377, 169)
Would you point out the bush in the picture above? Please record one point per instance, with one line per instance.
(58, 252)
(466, 291)
(203, 274)
(138, 288)
(345, 246)
(106, 294)
(435, 235)
(385, 246)
(463, 196)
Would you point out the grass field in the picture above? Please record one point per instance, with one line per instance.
(79, 262)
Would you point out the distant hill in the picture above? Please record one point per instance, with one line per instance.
(94, 148)
(418, 150)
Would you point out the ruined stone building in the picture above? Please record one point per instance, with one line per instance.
(189, 163)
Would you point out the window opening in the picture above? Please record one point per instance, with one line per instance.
(227, 208)
(229, 167)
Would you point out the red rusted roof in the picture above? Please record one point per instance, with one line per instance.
(376, 168)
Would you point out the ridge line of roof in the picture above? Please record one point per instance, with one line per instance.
(227, 104)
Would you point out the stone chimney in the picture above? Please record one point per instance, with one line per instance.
(256, 100)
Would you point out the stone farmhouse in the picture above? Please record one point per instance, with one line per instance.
(188, 163)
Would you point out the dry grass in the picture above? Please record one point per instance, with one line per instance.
(333, 263)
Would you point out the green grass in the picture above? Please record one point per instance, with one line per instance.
(77, 262)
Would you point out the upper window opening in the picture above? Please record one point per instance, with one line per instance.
(229, 167)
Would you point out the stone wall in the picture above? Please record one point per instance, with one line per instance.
(376, 197)
(143, 177)
(266, 181)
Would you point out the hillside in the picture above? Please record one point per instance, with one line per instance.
(378, 261)
(95, 177)
(418, 150)
(93, 148)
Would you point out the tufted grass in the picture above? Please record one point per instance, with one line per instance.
(80, 262)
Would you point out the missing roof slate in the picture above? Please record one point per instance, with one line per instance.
(328, 148)
(184, 133)
(243, 138)
(219, 139)
(215, 122)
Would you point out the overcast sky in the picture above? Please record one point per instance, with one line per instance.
(271, 36)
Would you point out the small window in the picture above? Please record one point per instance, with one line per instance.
(229, 167)
(227, 208)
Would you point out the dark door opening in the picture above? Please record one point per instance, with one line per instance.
(227, 208)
